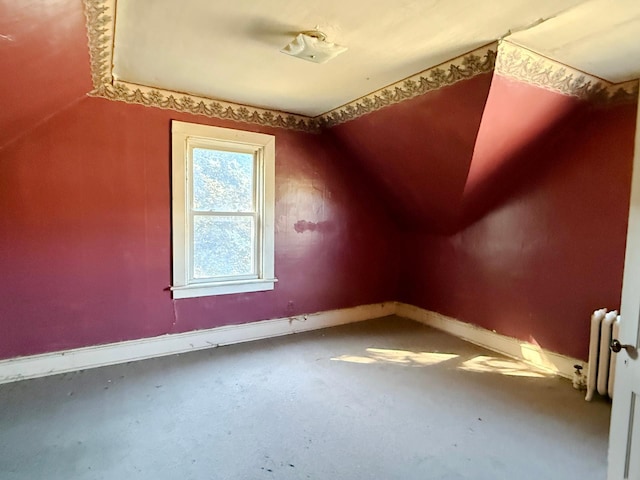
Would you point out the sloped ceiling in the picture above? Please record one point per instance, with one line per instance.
(211, 58)
(230, 52)
(598, 37)
(45, 62)
(233, 53)
(419, 152)
(446, 158)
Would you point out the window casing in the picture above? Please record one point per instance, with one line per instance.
(223, 210)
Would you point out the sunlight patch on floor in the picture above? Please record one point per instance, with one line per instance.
(398, 357)
(477, 364)
(503, 366)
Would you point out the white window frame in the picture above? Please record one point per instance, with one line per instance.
(184, 137)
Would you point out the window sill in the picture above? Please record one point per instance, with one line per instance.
(226, 288)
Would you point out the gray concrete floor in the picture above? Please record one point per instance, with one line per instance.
(318, 405)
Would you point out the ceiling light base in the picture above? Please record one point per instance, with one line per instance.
(313, 47)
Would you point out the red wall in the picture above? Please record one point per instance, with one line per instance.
(418, 152)
(543, 238)
(538, 203)
(45, 62)
(85, 241)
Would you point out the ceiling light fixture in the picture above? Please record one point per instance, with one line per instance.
(313, 47)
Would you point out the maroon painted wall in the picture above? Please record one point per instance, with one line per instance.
(538, 204)
(85, 240)
(543, 238)
(418, 152)
(45, 62)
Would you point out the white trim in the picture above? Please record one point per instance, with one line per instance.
(240, 286)
(22, 368)
(519, 63)
(539, 357)
(101, 21)
(184, 137)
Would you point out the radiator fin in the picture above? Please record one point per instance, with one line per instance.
(601, 369)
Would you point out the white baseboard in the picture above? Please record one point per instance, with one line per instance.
(22, 368)
(511, 347)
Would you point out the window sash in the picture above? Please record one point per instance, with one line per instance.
(186, 137)
(255, 241)
(256, 213)
(256, 178)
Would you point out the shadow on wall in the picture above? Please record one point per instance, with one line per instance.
(417, 153)
(388, 200)
(406, 200)
(516, 148)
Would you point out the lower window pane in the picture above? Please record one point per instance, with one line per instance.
(223, 246)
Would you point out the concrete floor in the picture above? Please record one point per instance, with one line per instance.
(362, 401)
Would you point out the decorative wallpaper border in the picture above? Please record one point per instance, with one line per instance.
(476, 62)
(100, 16)
(182, 102)
(507, 59)
(524, 65)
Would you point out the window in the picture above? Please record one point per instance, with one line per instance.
(223, 210)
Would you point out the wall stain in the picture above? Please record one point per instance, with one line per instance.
(302, 226)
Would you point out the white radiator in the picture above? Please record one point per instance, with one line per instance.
(602, 361)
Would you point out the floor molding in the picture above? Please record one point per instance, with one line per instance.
(34, 366)
(528, 352)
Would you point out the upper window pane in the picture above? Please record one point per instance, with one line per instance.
(222, 181)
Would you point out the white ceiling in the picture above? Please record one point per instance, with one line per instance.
(600, 37)
(231, 50)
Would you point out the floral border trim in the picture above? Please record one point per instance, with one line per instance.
(100, 15)
(476, 62)
(180, 102)
(507, 59)
(521, 64)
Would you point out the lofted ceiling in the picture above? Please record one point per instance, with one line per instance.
(600, 37)
(421, 156)
(231, 51)
(45, 62)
